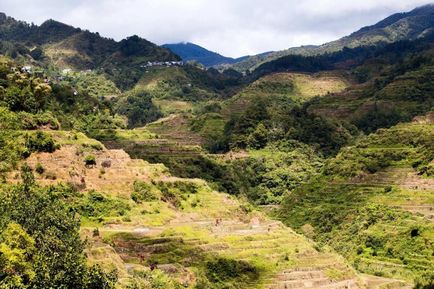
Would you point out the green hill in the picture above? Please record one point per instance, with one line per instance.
(373, 202)
(312, 171)
(192, 52)
(401, 26)
(65, 47)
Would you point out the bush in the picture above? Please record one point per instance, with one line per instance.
(144, 192)
(223, 269)
(41, 142)
(90, 160)
(98, 205)
(39, 168)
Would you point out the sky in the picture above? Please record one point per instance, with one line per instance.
(230, 27)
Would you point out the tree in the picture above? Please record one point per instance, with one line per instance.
(17, 249)
(258, 138)
(138, 108)
(52, 229)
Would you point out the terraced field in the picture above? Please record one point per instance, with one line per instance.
(376, 208)
(294, 87)
(182, 232)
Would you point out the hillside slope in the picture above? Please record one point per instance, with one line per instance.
(136, 217)
(373, 202)
(401, 26)
(192, 52)
(65, 47)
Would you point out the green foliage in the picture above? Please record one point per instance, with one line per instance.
(223, 270)
(41, 104)
(264, 122)
(40, 142)
(39, 168)
(425, 282)
(344, 212)
(57, 259)
(37, 53)
(21, 92)
(31, 121)
(258, 138)
(17, 249)
(97, 205)
(90, 160)
(12, 148)
(138, 108)
(211, 127)
(401, 145)
(96, 278)
(94, 84)
(8, 119)
(145, 192)
(152, 279)
(379, 118)
(263, 176)
(15, 145)
(189, 83)
(343, 57)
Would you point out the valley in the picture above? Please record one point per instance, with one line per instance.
(306, 169)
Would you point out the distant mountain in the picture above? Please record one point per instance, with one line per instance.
(63, 46)
(192, 52)
(401, 26)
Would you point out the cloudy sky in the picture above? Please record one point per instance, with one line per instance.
(230, 27)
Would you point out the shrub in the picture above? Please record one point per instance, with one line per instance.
(144, 192)
(106, 163)
(98, 205)
(224, 269)
(90, 160)
(41, 142)
(50, 176)
(39, 168)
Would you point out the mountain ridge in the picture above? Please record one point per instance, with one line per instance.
(192, 52)
(399, 26)
(67, 47)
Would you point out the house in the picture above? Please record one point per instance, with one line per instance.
(160, 63)
(27, 69)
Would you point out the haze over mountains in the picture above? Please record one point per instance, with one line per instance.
(400, 26)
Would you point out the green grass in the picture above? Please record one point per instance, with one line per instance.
(140, 134)
(173, 106)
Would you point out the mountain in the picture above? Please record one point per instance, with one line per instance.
(192, 52)
(63, 46)
(401, 26)
(312, 171)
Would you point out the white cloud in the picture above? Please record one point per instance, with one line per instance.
(230, 27)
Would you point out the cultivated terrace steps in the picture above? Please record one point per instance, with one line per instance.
(181, 239)
(255, 241)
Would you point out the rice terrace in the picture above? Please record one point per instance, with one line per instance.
(131, 164)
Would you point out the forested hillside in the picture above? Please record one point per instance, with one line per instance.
(121, 167)
(401, 26)
(192, 52)
(61, 46)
